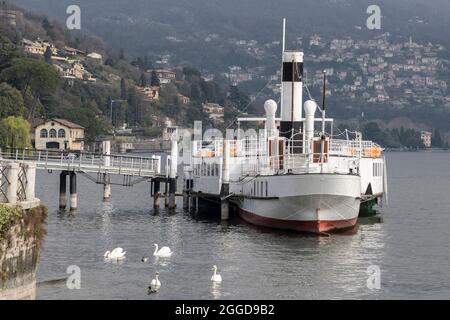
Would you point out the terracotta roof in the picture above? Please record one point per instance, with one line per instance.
(36, 122)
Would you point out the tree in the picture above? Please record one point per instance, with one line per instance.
(238, 98)
(190, 72)
(143, 80)
(123, 89)
(154, 80)
(8, 52)
(436, 139)
(48, 55)
(49, 28)
(11, 101)
(15, 133)
(122, 54)
(32, 77)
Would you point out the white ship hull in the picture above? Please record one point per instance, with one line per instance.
(309, 203)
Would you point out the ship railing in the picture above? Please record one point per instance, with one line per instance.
(247, 147)
(354, 148)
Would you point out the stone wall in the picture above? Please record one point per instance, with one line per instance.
(21, 235)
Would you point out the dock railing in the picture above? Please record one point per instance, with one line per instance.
(86, 161)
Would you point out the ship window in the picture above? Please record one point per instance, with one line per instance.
(267, 190)
(261, 190)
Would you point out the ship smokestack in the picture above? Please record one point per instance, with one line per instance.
(291, 94)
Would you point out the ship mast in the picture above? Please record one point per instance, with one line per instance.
(322, 138)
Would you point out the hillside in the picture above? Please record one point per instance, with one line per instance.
(180, 27)
(47, 72)
(372, 77)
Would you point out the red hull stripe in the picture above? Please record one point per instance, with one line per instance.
(302, 226)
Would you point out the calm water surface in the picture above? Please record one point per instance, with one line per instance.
(409, 241)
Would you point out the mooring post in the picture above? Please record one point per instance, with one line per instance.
(62, 190)
(73, 191)
(106, 186)
(225, 188)
(186, 194)
(156, 193)
(106, 177)
(31, 182)
(12, 176)
(173, 174)
(196, 204)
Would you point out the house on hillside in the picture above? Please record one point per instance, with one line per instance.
(425, 136)
(151, 93)
(57, 134)
(215, 112)
(95, 57)
(72, 51)
(10, 16)
(165, 76)
(73, 69)
(38, 47)
(183, 99)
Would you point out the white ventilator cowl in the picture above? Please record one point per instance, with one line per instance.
(270, 106)
(310, 107)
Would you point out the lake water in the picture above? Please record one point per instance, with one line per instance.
(409, 241)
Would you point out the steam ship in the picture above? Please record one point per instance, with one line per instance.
(295, 173)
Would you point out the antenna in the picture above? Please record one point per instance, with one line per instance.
(324, 89)
(284, 34)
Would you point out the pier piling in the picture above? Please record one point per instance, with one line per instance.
(73, 191)
(173, 174)
(225, 188)
(172, 191)
(106, 148)
(156, 194)
(62, 190)
(106, 187)
(186, 194)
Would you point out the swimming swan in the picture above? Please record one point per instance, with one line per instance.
(164, 252)
(155, 284)
(216, 277)
(116, 254)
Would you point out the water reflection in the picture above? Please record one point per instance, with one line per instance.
(215, 290)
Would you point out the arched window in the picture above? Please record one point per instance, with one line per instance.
(52, 133)
(61, 133)
(44, 133)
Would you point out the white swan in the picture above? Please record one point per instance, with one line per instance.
(164, 252)
(116, 254)
(155, 284)
(216, 277)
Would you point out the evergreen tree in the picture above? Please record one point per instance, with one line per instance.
(154, 81)
(122, 54)
(143, 80)
(49, 28)
(436, 139)
(48, 55)
(123, 89)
